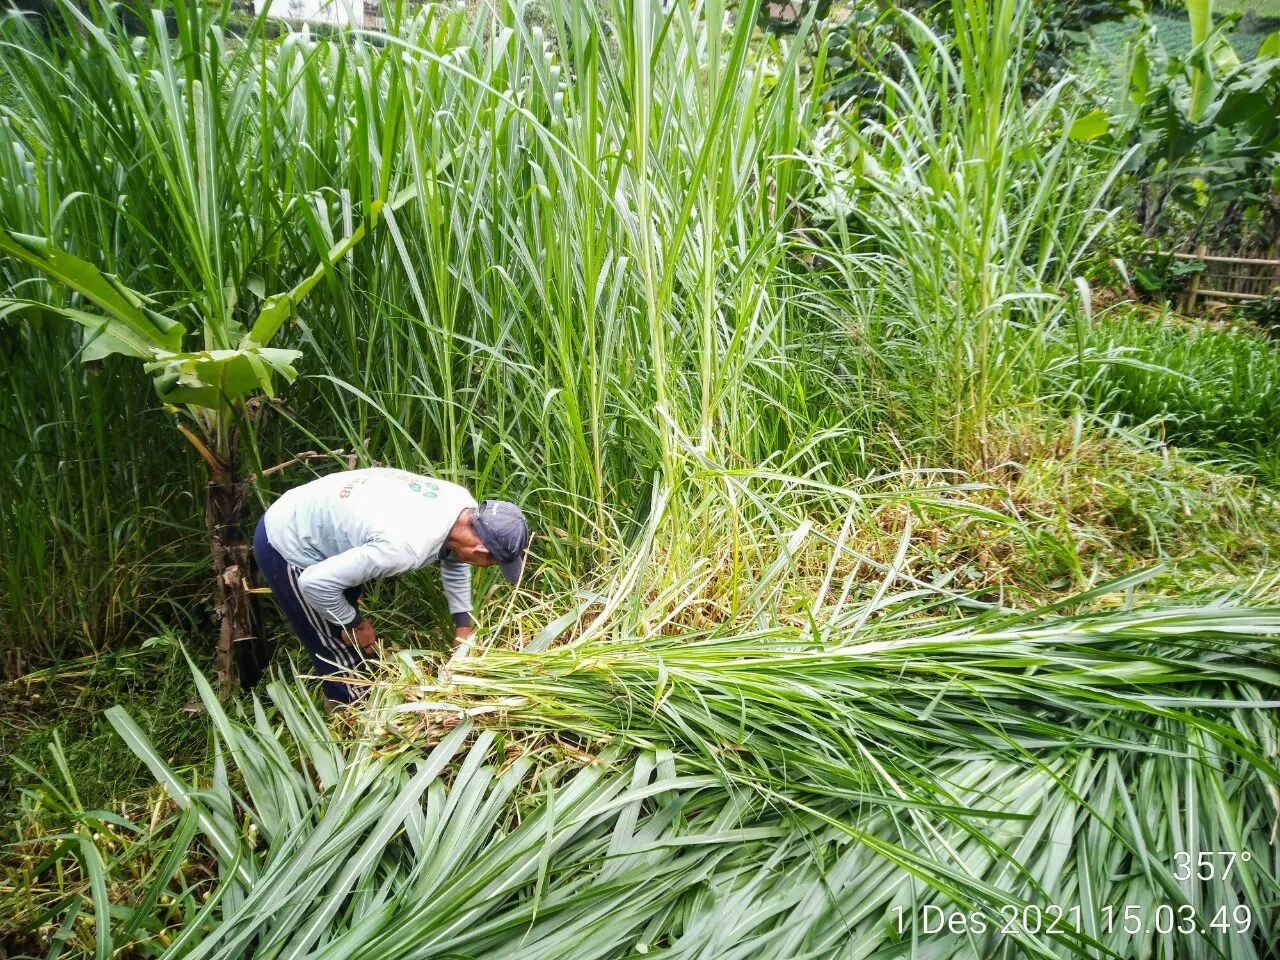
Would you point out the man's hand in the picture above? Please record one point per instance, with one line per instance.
(460, 634)
(363, 635)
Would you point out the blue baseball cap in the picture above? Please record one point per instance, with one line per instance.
(503, 530)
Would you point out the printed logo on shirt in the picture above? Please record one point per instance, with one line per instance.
(349, 486)
(430, 489)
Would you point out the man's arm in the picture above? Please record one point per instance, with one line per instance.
(322, 584)
(456, 577)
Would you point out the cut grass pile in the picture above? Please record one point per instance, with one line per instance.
(785, 741)
(625, 785)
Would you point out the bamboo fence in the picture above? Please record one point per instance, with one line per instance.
(1229, 279)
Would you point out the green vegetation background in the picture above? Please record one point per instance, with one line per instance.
(1117, 433)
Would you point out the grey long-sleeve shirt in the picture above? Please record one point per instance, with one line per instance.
(346, 528)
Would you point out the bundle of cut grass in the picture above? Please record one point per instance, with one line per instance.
(766, 792)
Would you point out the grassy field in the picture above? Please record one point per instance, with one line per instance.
(885, 568)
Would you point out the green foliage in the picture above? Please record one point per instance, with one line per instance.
(1165, 274)
(472, 334)
(74, 798)
(98, 529)
(130, 327)
(956, 223)
(1206, 134)
(469, 335)
(211, 378)
(1265, 312)
(189, 172)
(1109, 40)
(862, 44)
(1215, 390)
(66, 701)
(778, 785)
(140, 150)
(1261, 8)
(774, 674)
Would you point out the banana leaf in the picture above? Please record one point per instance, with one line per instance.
(130, 320)
(212, 378)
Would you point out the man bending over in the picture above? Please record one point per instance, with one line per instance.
(320, 542)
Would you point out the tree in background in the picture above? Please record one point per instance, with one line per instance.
(1207, 136)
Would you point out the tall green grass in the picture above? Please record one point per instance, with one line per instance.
(98, 524)
(960, 215)
(628, 239)
(586, 270)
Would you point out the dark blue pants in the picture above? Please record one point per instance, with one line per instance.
(331, 652)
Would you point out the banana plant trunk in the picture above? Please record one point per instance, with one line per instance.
(242, 653)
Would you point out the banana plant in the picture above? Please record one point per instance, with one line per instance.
(214, 386)
(157, 156)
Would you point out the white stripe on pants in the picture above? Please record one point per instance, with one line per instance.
(343, 653)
